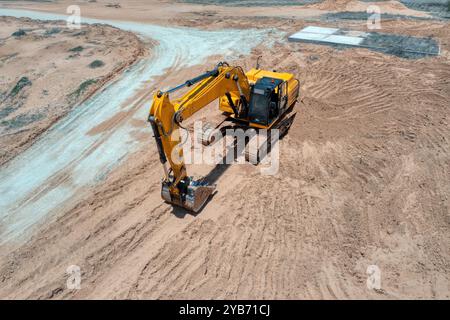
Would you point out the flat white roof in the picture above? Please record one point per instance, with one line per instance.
(372, 40)
(313, 29)
(327, 35)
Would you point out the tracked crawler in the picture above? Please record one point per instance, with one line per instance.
(257, 99)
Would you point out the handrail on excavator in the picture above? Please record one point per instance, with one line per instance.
(188, 83)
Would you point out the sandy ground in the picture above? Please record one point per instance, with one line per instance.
(166, 12)
(47, 71)
(364, 180)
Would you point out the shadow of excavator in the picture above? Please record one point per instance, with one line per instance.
(219, 170)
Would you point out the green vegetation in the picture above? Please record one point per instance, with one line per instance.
(80, 33)
(21, 120)
(76, 49)
(96, 64)
(82, 88)
(254, 3)
(19, 33)
(6, 111)
(23, 82)
(52, 31)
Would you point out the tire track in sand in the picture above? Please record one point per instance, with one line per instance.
(68, 157)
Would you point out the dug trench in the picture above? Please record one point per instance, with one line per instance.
(363, 181)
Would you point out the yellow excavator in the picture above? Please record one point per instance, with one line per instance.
(257, 99)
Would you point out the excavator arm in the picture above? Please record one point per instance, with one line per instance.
(166, 117)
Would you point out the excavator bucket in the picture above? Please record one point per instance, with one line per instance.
(197, 196)
(193, 199)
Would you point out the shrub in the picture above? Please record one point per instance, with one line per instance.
(52, 31)
(76, 49)
(82, 88)
(80, 33)
(96, 64)
(23, 82)
(19, 33)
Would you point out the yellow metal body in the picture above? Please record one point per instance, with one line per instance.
(227, 83)
(254, 75)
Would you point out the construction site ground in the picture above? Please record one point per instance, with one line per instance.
(363, 179)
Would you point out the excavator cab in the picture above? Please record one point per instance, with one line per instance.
(268, 100)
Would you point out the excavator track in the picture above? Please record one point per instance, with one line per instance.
(255, 156)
